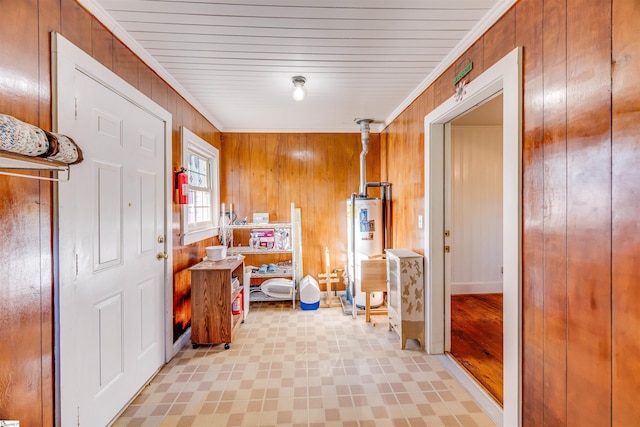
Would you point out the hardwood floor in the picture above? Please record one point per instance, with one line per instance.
(476, 338)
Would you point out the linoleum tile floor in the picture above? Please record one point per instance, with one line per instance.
(309, 368)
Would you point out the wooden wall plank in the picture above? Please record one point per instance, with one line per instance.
(625, 209)
(125, 63)
(555, 214)
(47, 325)
(159, 91)
(26, 367)
(145, 83)
(500, 39)
(102, 44)
(19, 93)
(589, 212)
(48, 21)
(443, 87)
(76, 24)
(528, 22)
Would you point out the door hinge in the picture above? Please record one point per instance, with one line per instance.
(76, 108)
(77, 266)
(447, 249)
(447, 233)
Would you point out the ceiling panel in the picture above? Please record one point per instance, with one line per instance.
(361, 58)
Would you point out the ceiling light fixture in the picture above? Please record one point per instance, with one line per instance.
(299, 91)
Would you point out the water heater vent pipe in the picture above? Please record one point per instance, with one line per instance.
(364, 132)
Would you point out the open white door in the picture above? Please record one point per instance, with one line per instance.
(112, 235)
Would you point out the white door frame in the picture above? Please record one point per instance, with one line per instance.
(505, 76)
(66, 54)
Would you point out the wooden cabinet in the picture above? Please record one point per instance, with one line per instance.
(214, 287)
(405, 293)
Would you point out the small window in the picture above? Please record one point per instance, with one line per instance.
(201, 160)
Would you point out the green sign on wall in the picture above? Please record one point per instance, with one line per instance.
(463, 73)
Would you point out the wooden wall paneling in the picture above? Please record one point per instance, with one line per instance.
(271, 165)
(75, 24)
(474, 54)
(500, 39)
(175, 129)
(48, 21)
(160, 92)
(257, 161)
(187, 115)
(391, 161)
(19, 92)
(102, 44)
(26, 367)
(589, 212)
(321, 192)
(288, 166)
(21, 293)
(125, 63)
(349, 147)
(400, 145)
(229, 163)
(528, 22)
(555, 214)
(336, 200)
(176, 121)
(625, 208)
(416, 196)
(242, 178)
(308, 214)
(144, 80)
(45, 206)
(443, 86)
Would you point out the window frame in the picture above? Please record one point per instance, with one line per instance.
(192, 143)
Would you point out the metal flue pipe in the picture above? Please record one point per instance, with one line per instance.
(364, 136)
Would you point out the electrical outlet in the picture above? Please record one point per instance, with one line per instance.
(419, 221)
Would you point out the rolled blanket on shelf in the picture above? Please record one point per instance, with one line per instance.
(29, 140)
(22, 138)
(68, 150)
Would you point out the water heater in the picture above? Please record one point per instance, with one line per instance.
(369, 240)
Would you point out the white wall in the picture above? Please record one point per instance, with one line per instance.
(476, 209)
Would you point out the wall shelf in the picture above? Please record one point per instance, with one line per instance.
(14, 161)
(10, 160)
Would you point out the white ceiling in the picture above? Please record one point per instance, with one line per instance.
(234, 60)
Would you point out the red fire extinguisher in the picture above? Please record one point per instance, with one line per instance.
(237, 305)
(182, 180)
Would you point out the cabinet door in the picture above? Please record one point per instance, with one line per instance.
(393, 273)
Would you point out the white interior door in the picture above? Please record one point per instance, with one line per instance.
(111, 226)
(473, 212)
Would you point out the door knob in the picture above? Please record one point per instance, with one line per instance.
(162, 255)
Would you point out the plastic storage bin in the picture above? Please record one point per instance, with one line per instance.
(309, 293)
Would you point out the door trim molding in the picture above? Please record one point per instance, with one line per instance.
(66, 54)
(505, 76)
